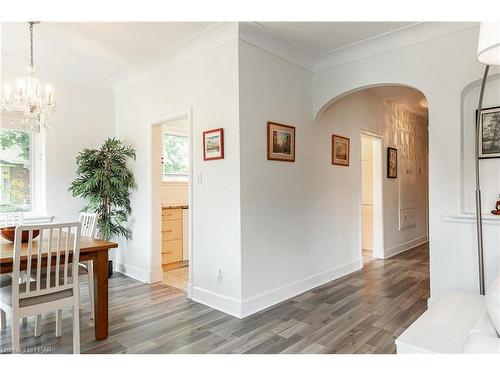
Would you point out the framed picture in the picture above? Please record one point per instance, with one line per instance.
(280, 142)
(392, 162)
(489, 135)
(340, 150)
(213, 144)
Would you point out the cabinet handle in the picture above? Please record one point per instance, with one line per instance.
(167, 252)
(169, 231)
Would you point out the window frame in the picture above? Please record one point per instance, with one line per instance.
(172, 178)
(37, 168)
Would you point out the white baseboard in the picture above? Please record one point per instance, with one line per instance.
(217, 301)
(133, 272)
(264, 300)
(401, 248)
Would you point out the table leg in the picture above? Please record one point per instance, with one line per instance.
(101, 295)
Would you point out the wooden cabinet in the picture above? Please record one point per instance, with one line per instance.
(173, 233)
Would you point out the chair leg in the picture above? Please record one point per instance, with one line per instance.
(90, 270)
(59, 323)
(76, 329)
(3, 319)
(38, 325)
(16, 336)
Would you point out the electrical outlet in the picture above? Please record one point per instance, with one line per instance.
(219, 276)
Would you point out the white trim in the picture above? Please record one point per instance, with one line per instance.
(216, 301)
(405, 246)
(466, 218)
(415, 34)
(200, 44)
(261, 37)
(37, 219)
(133, 272)
(269, 298)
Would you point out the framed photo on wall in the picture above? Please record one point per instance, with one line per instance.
(340, 150)
(213, 144)
(392, 162)
(280, 142)
(489, 135)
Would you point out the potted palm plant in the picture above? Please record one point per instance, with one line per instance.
(105, 182)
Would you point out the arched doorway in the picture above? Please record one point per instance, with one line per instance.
(388, 129)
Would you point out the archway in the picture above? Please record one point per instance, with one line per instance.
(392, 207)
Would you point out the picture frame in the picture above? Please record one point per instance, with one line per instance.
(341, 149)
(489, 135)
(392, 162)
(280, 142)
(213, 144)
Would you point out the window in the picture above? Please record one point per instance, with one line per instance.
(15, 170)
(175, 157)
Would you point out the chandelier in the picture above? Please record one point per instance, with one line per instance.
(25, 101)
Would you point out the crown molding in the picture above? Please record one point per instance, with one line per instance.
(401, 38)
(265, 39)
(197, 45)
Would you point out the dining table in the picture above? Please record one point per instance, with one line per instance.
(91, 249)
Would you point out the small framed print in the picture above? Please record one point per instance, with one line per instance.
(213, 144)
(340, 150)
(489, 135)
(280, 142)
(392, 162)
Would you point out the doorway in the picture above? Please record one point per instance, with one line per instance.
(171, 200)
(372, 226)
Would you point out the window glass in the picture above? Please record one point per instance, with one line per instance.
(175, 156)
(15, 170)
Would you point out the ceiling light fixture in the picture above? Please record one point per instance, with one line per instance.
(25, 101)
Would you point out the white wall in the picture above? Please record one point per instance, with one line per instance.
(453, 259)
(208, 84)
(85, 119)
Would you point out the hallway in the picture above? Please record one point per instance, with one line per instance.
(360, 313)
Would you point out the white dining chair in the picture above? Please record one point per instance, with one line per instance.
(11, 219)
(89, 225)
(53, 288)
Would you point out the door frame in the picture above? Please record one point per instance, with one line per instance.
(186, 114)
(378, 195)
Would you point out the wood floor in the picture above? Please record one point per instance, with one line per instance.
(360, 313)
(177, 278)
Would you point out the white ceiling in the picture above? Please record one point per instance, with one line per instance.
(91, 52)
(95, 52)
(320, 38)
(411, 98)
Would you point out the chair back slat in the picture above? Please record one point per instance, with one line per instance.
(11, 219)
(89, 224)
(40, 279)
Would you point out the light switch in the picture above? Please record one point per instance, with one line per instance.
(199, 178)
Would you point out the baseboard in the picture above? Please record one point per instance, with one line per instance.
(405, 246)
(262, 301)
(133, 272)
(217, 301)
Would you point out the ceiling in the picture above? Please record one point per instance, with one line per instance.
(320, 38)
(91, 52)
(412, 99)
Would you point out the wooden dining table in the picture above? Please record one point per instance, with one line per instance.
(90, 250)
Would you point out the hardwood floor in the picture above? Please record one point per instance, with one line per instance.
(360, 313)
(177, 278)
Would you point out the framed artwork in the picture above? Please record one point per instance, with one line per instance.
(392, 162)
(280, 142)
(340, 150)
(213, 144)
(489, 135)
